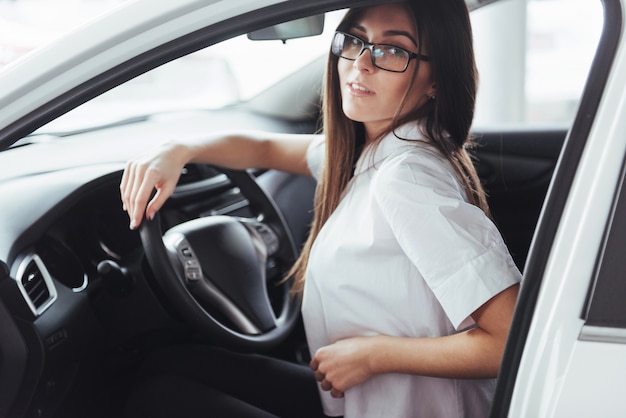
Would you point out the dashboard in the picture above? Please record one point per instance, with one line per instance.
(77, 297)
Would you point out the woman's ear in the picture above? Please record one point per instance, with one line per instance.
(432, 92)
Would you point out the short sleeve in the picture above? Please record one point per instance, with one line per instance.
(453, 244)
(315, 156)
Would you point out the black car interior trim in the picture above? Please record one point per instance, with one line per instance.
(604, 307)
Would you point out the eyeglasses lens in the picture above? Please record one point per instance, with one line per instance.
(390, 58)
(387, 57)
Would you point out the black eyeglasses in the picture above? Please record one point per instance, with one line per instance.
(386, 57)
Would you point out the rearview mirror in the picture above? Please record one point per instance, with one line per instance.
(299, 28)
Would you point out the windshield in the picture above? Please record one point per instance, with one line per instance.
(220, 75)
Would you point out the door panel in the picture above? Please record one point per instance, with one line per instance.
(516, 168)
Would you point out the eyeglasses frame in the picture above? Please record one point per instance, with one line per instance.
(371, 46)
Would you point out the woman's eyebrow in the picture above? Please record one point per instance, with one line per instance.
(401, 33)
(390, 32)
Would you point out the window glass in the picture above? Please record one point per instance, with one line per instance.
(220, 75)
(533, 58)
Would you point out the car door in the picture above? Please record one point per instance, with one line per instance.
(565, 351)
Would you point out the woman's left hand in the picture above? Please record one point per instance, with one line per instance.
(342, 365)
(472, 354)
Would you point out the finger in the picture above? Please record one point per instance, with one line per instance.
(325, 385)
(336, 393)
(158, 201)
(141, 191)
(124, 184)
(319, 376)
(134, 176)
(313, 364)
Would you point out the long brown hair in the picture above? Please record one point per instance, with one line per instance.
(444, 29)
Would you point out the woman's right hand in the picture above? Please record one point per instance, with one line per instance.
(161, 170)
(158, 171)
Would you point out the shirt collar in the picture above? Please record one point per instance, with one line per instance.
(396, 141)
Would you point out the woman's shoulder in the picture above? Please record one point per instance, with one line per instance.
(405, 141)
(413, 164)
(415, 157)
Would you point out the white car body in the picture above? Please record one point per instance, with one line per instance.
(569, 369)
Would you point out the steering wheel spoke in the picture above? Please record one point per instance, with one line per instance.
(208, 294)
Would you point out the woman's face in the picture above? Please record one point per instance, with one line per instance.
(372, 95)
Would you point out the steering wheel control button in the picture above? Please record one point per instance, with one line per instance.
(266, 235)
(180, 249)
(193, 270)
(190, 263)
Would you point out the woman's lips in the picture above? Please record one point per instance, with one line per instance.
(359, 90)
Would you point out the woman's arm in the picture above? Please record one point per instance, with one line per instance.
(161, 169)
(475, 354)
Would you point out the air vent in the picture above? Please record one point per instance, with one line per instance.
(36, 285)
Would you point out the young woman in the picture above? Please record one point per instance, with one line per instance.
(408, 287)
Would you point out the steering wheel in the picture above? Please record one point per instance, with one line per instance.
(214, 270)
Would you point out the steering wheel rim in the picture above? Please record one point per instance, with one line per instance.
(187, 273)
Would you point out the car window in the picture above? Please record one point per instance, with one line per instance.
(533, 58)
(230, 72)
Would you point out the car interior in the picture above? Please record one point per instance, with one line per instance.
(83, 299)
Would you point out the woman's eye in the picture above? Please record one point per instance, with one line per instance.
(397, 52)
(353, 44)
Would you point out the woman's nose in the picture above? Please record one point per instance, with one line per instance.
(364, 61)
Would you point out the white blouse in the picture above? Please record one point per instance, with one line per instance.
(403, 254)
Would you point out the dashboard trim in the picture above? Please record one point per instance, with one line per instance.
(47, 280)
